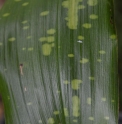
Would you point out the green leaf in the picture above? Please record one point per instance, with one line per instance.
(58, 62)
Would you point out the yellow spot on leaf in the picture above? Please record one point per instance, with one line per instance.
(44, 13)
(81, 37)
(12, 39)
(91, 118)
(66, 18)
(8, 96)
(51, 31)
(75, 121)
(50, 38)
(58, 91)
(6, 14)
(93, 16)
(52, 45)
(76, 106)
(84, 60)
(65, 4)
(29, 37)
(72, 6)
(30, 49)
(75, 84)
(99, 60)
(66, 82)
(46, 49)
(25, 4)
(81, 7)
(23, 48)
(103, 99)
(56, 112)
(29, 103)
(70, 55)
(89, 101)
(24, 22)
(1, 44)
(92, 2)
(102, 52)
(42, 39)
(40, 121)
(17, 0)
(87, 25)
(25, 27)
(66, 112)
(51, 121)
(91, 78)
(106, 118)
(113, 37)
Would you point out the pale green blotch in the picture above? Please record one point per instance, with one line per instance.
(5, 69)
(56, 112)
(102, 52)
(66, 18)
(66, 112)
(113, 36)
(87, 25)
(51, 31)
(103, 99)
(106, 118)
(76, 106)
(25, 27)
(58, 91)
(1, 43)
(65, 4)
(81, 7)
(46, 49)
(23, 48)
(99, 60)
(24, 22)
(42, 39)
(66, 82)
(93, 16)
(29, 103)
(92, 2)
(25, 4)
(84, 60)
(81, 37)
(12, 39)
(112, 100)
(91, 118)
(28, 37)
(75, 84)
(51, 121)
(6, 14)
(91, 78)
(52, 45)
(50, 39)
(30, 49)
(17, 0)
(75, 121)
(44, 13)
(72, 6)
(8, 97)
(40, 121)
(70, 55)
(89, 101)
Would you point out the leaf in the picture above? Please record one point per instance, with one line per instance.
(58, 62)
